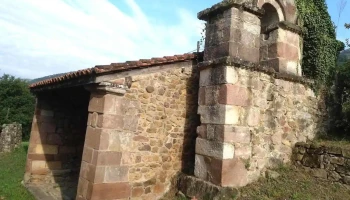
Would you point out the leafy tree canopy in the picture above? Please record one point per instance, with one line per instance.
(16, 102)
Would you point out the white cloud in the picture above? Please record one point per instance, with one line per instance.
(43, 37)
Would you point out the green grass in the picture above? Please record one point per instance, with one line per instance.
(12, 166)
(294, 184)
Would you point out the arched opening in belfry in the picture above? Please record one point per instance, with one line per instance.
(269, 34)
(270, 16)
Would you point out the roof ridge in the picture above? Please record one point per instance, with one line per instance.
(115, 67)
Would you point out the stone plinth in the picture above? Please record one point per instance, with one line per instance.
(10, 137)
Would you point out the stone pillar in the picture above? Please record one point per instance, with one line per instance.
(233, 32)
(223, 145)
(10, 137)
(104, 167)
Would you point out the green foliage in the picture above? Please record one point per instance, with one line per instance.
(347, 26)
(16, 103)
(343, 91)
(339, 97)
(320, 47)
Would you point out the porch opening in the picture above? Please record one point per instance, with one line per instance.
(57, 141)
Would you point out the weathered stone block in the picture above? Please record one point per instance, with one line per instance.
(202, 131)
(96, 103)
(53, 165)
(243, 151)
(137, 192)
(115, 174)
(200, 169)
(96, 138)
(201, 96)
(211, 95)
(37, 165)
(87, 154)
(46, 149)
(106, 158)
(43, 157)
(253, 118)
(319, 173)
(333, 176)
(121, 141)
(233, 134)
(110, 121)
(311, 161)
(234, 173)
(110, 191)
(195, 187)
(346, 180)
(214, 149)
(220, 114)
(337, 160)
(92, 173)
(233, 95)
(218, 75)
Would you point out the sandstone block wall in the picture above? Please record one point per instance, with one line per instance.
(57, 136)
(139, 140)
(325, 162)
(10, 137)
(250, 121)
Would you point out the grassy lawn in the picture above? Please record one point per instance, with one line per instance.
(294, 185)
(12, 167)
(291, 185)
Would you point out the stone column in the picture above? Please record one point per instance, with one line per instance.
(223, 145)
(104, 168)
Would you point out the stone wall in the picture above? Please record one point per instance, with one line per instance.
(57, 137)
(250, 122)
(138, 140)
(325, 162)
(10, 137)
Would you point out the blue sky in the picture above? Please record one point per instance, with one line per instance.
(43, 37)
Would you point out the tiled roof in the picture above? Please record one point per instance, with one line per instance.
(116, 67)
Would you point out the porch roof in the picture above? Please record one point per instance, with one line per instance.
(89, 73)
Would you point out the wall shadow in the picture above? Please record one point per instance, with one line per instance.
(57, 140)
(192, 121)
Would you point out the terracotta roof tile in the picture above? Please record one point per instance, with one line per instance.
(115, 67)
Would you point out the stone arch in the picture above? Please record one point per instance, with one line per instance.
(285, 8)
(272, 3)
(271, 15)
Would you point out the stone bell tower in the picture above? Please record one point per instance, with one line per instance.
(240, 34)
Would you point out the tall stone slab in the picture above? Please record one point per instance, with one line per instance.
(223, 143)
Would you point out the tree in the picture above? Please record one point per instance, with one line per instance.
(347, 26)
(16, 103)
